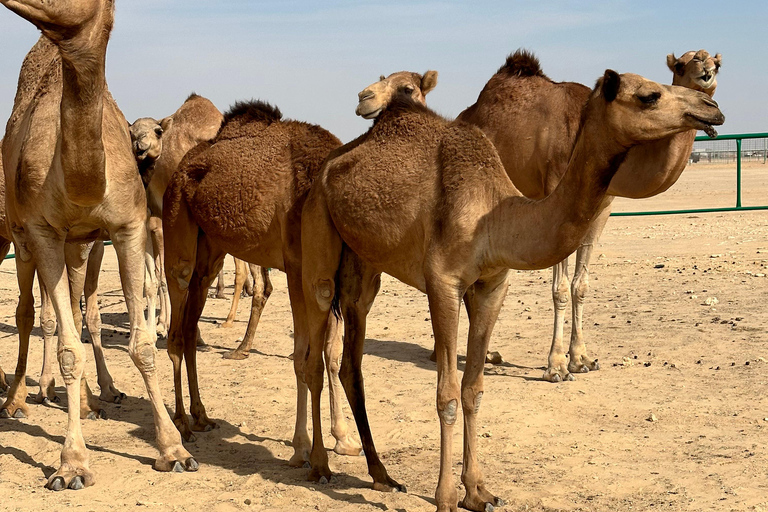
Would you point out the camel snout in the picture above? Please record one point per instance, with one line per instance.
(712, 103)
(365, 95)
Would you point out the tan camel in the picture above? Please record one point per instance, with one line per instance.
(242, 194)
(428, 202)
(78, 180)
(5, 245)
(533, 123)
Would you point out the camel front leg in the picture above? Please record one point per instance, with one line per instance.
(557, 363)
(209, 262)
(262, 289)
(15, 403)
(151, 286)
(130, 244)
(220, 286)
(580, 362)
(241, 271)
(109, 393)
(359, 285)
(47, 381)
(444, 310)
(156, 235)
(483, 300)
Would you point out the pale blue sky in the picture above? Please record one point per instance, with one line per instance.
(311, 58)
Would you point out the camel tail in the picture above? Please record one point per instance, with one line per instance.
(336, 302)
(522, 63)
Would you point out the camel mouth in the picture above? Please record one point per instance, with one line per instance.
(706, 125)
(369, 114)
(706, 80)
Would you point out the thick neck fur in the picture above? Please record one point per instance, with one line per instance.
(538, 234)
(82, 104)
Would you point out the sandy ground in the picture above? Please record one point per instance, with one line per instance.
(676, 419)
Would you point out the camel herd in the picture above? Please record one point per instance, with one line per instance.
(520, 180)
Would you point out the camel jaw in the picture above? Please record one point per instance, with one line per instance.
(368, 115)
(706, 125)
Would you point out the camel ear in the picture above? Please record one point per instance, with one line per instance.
(611, 84)
(166, 123)
(718, 60)
(428, 82)
(381, 77)
(671, 60)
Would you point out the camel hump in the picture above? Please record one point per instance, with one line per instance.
(253, 111)
(192, 96)
(522, 63)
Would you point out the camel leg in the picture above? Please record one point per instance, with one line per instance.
(250, 279)
(359, 286)
(47, 381)
(156, 233)
(483, 301)
(241, 270)
(262, 289)
(444, 310)
(208, 263)
(319, 265)
(5, 246)
(220, 286)
(150, 287)
(109, 393)
(130, 244)
(557, 365)
(580, 362)
(76, 257)
(180, 255)
(15, 404)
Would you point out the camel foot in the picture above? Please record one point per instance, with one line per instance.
(320, 475)
(177, 460)
(18, 414)
(493, 358)
(162, 330)
(111, 394)
(219, 295)
(480, 500)
(201, 342)
(48, 401)
(14, 407)
(47, 396)
(226, 324)
(101, 414)
(348, 446)
(236, 354)
(69, 477)
(389, 485)
(582, 365)
(300, 459)
(203, 425)
(182, 425)
(557, 375)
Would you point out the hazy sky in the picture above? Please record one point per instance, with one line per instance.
(311, 58)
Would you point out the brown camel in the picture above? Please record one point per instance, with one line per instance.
(242, 194)
(71, 177)
(428, 202)
(533, 123)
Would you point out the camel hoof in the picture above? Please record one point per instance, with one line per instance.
(56, 399)
(5, 414)
(219, 295)
(556, 378)
(226, 325)
(19, 414)
(100, 415)
(322, 480)
(595, 365)
(177, 467)
(237, 355)
(307, 465)
(191, 464)
(493, 358)
(570, 377)
(390, 486)
(57, 484)
(77, 483)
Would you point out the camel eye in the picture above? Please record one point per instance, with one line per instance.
(158, 131)
(650, 99)
(408, 89)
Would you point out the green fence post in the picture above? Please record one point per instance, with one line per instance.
(738, 173)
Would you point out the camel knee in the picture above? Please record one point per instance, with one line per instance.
(580, 287)
(71, 362)
(47, 325)
(471, 399)
(143, 354)
(560, 293)
(181, 273)
(324, 289)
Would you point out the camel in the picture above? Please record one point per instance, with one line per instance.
(71, 177)
(533, 123)
(272, 163)
(428, 201)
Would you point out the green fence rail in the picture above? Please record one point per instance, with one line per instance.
(738, 137)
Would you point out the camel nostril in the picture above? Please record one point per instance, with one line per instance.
(365, 95)
(711, 102)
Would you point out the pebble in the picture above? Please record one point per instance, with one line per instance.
(652, 418)
(711, 301)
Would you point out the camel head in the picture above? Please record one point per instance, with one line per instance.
(64, 20)
(637, 110)
(376, 97)
(695, 70)
(147, 137)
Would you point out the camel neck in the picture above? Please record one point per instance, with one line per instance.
(82, 105)
(538, 234)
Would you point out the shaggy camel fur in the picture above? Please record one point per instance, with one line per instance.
(271, 163)
(71, 177)
(428, 202)
(533, 123)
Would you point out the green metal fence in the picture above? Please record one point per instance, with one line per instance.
(725, 155)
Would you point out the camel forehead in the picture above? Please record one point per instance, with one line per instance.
(702, 56)
(144, 125)
(401, 78)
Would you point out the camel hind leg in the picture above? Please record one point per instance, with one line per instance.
(262, 289)
(557, 363)
(5, 246)
(241, 271)
(47, 380)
